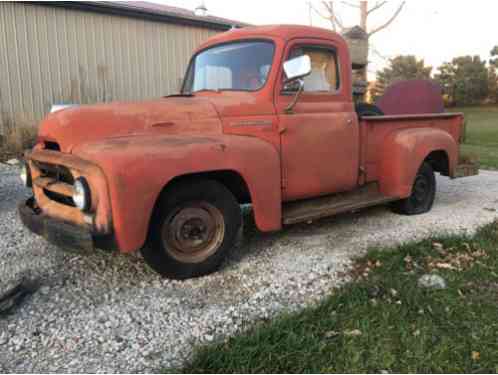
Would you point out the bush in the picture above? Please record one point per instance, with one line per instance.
(16, 138)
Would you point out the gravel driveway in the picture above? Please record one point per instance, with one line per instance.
(110, 313)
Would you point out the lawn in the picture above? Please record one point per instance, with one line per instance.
(482, 134)
(383, 321)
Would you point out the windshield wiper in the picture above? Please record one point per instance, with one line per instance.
(186, 95)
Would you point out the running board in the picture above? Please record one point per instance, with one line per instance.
(316, 208)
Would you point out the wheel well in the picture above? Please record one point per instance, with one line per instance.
(439, 162)
(230, 179)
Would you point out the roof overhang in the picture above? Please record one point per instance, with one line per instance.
(128, 10)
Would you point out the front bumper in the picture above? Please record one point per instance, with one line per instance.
(60, 233)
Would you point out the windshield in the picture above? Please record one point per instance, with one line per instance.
(242, 66)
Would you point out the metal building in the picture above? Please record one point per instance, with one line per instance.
(87, 52)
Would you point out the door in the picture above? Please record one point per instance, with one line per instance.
(320, 137)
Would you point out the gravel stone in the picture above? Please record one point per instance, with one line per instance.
(13, 162)
(109, 312)
(432, 282)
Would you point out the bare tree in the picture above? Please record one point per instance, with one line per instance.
(330, 13)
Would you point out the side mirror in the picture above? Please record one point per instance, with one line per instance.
(297, 68)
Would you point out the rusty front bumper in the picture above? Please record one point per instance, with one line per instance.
(60, 233)
(63, 234)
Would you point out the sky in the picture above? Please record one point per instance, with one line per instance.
(436, 30)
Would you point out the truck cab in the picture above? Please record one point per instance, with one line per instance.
(265, 116)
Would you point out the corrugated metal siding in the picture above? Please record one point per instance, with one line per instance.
(55, 55)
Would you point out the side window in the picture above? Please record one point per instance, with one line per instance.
(324, 75)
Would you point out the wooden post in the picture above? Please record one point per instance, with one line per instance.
(363, 25)
(363, 14)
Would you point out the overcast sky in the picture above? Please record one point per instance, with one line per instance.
(436, 30)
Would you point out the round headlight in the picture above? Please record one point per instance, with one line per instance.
(25, 175)
(81, 194)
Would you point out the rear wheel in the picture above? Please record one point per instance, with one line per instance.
(192, 230)
(423, 193)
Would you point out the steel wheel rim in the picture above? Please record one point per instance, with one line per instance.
(193, 232)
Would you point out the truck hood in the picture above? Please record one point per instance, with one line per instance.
(75, 126)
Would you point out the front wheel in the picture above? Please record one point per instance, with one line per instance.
(423, 193)
(192, 230)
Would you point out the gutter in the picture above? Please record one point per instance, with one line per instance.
(133, 12)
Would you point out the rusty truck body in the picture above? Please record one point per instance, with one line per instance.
(265, 116)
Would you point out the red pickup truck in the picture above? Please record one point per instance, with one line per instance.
(265, 117)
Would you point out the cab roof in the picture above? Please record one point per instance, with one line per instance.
(284, 32)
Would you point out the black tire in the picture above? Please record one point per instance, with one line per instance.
(192, 229)
(366, 109)
(423, 193)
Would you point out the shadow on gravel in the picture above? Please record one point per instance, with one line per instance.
(13, 297)
(254, 242)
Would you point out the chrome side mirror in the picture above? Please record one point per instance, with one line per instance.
(296, 68)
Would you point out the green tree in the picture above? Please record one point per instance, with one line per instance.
(494, 57)
(464, 80)
(400, 68)
(493, 77)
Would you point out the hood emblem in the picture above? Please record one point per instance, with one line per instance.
(162, 124)
(253, 123)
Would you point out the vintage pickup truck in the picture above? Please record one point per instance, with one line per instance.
(265, 117)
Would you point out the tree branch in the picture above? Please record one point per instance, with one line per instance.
(329, 18)
(389, 21)
(329, 5)
(350, 4)
(378, 5)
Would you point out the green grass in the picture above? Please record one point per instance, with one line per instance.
(400, 327)
(482, 134)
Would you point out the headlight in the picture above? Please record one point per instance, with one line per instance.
(26, 175)
(81, 194)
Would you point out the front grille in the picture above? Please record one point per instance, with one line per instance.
(57, 172)
(59, 198)
(55, 181)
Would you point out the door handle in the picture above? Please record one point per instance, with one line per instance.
(350, 121)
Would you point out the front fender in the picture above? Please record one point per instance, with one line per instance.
(139, 167)
(404, 151)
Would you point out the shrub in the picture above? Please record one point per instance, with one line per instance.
(17, 136)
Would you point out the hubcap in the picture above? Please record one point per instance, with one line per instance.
(193, 232)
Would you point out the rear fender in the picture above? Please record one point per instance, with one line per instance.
(404, 151)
